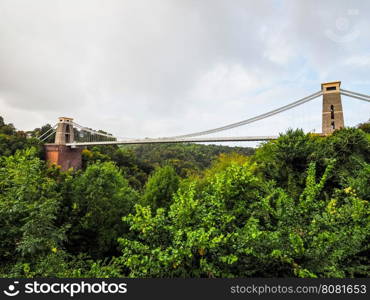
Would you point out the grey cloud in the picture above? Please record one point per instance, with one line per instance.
(143, 68)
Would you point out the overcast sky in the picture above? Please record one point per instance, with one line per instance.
(145, 68)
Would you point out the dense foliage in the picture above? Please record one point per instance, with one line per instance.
(12, 140)
(299, 206)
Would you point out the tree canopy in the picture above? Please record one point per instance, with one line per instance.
(294, 207)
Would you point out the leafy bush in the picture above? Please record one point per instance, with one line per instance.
(238, 225)
(29, 204)
(298, 207)
(100, 197)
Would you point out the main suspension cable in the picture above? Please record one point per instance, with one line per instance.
(256, 118)
(92, 131)
(52, 128)
(44, 139)
(353, 95)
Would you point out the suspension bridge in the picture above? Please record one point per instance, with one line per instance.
(70, 137)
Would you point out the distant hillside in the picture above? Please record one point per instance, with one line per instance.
(139, 161)
(196, 156)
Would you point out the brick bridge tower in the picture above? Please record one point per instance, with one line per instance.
(332, 111)
(59, 153)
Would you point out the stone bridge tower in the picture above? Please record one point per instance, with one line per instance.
(64, 133)
(59, 153)
(332, 111)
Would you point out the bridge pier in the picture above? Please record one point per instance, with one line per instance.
(59, 153)
(63, 156)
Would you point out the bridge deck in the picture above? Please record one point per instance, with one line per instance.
(184, 140)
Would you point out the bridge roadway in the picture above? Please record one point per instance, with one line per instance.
(176, 140)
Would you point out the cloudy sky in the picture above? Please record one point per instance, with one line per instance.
(141, 68)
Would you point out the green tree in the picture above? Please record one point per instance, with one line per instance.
(286, 159)
(161, 186)
(194, 238)
(100, 198)
(12, 140)
(237, 225)
(298, 207)
(135, 170)
(29, 205)
(45, 133)
(365, 126)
